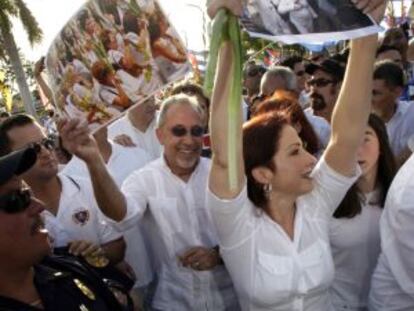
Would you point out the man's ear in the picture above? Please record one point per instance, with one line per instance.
(160, 135)
(262, 174)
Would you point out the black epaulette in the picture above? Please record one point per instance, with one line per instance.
(102, 286)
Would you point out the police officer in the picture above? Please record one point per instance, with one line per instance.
(30, 279)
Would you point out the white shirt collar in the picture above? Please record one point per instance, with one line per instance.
(166, 168)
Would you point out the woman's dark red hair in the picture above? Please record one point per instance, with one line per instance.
(261, 137)
(287, 102)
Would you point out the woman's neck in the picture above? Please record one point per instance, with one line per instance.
(282, 209)
(367, 182)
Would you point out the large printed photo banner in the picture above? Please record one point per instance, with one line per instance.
(306, 21)
(111, 55)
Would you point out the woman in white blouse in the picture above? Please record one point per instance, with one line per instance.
(354, 232)
(274, 225)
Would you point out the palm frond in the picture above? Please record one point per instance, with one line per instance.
(2, 50)
(5, 23)
(8, 7)
(30, 24)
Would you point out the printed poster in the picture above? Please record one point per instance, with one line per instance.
(111, 55)
(306, 21)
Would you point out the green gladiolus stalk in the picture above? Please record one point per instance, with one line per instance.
(226, 28)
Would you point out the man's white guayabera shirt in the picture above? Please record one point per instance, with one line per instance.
(176, 219)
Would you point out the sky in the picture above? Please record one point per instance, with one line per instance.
(52, 15)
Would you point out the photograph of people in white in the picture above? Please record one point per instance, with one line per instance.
(111, 55)
(275, 18)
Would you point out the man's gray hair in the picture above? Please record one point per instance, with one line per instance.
(179, 99)
(286, 74)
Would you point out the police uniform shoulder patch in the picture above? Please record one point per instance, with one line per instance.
(81, 216)
(84, 289)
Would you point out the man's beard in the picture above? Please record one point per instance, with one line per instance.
(318, 103)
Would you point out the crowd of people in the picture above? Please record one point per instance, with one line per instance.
(112, 55)
(285, 17)
(141, 215)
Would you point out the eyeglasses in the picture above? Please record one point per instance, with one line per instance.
(15, 201)
(180, 131)
(320, 82)
(300, 73)
(48, 143)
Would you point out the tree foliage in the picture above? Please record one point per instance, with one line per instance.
(8, 85)
(10, 76)
(9, 53)
(18, 9)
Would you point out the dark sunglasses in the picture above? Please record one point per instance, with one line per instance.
(180, 131)
(300, 73)
(320, 82)
(15, 201)
(48, 143)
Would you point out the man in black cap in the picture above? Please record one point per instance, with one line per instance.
(325, 85)
(58, 283)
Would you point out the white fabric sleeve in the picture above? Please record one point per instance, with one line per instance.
(285, 6)
(107, 232)
(330, 188)
(107, 96)
(233, 218)
(133, 189)
(410, 143)
(397, 230)
(115, 56)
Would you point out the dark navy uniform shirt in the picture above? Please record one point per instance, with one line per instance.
(65, 285)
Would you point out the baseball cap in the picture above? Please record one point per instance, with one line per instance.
(329, 66)
(16, 163)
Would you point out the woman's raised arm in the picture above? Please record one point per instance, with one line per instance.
(353, 106)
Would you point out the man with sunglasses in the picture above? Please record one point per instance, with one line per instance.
(168, 197)
(283, 78)
(72, 216)
(30, 279)
(325, 85)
